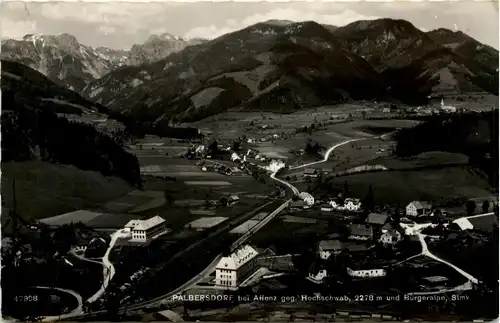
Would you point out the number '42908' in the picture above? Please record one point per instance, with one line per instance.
(26, 298)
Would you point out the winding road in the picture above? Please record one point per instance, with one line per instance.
(78, 310)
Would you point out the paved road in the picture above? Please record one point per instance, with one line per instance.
(426, 252)
(329, 152)
(108, 270)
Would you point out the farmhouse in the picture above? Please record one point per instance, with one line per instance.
(361, 271)
(352, 204)
(307, 198)
(145, 230)
(376, 219)
(233, 199)
(326, 248)
(317, 272)
(482, 223)
(390, 237)
(418, 208)
(310, 172)
(360, 232)
(232, 270)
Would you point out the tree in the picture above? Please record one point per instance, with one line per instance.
(213, 148)
(369, 201)
(470, 207)
(236, 145)
(363, 113)
(346, 189)
(485, 206)
(168, 197)
(224, 201)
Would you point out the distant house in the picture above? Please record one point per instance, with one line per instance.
(365, 271)
(310, 172)
(352, 204)
(360, 232)
(233, 199)
(418, 208)
(307, 198)
(386, 110)
(390, 237)
(376, 219)
(317, 272)
(326, 248)
(325, 207)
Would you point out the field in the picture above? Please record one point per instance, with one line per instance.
(44, 189)
(427, 184)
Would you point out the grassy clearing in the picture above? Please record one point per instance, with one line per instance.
(403, 186)
(45, 190)
(427, 159)
(208, 183)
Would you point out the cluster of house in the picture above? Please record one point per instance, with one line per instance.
(360, 239)
(219, 168)
(307, 201)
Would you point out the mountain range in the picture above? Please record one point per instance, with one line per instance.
(65, 61)
(275, 65)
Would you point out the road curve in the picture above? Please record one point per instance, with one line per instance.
(329, 152)
(78, 310)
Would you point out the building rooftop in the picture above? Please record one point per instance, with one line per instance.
(299, 203)
(331, 245)
(361, 230)
(310, 171)
(376, 218)
(145, 225)
(485, 223)
(421, 205)
(316, 267)
(238, 258)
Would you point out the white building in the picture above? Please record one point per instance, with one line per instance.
(326, 207)
(418, 208)
(352, 204)
(232, 270)
(307, 198)
(390, 237)
(317, 273)
(145, 230)
(364, 273)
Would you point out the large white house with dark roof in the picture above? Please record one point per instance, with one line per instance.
(233, 269)
(145, 230)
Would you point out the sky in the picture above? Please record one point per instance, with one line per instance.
(119, 25)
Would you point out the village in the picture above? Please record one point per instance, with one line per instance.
(270, 213)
